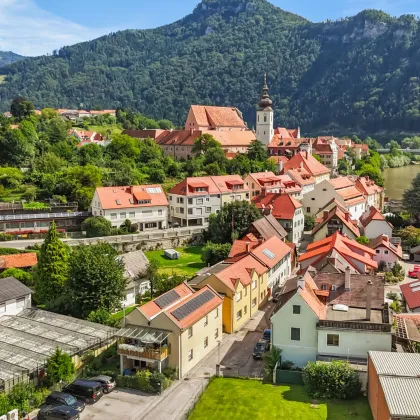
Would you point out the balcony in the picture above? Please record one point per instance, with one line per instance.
(158, 354)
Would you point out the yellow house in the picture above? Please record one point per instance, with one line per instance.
(243, 285)
(176, 329)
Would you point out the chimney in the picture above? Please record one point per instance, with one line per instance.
(298, 133)
(248, 247)
(307, 154)
(301, 283)
(368, 299)
(326, 214)
(385, 237)
(347, 216)
(347, 278)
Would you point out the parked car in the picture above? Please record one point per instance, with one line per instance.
(267, 335)
(276, 297)
(108, 383)
(61, 398)
(64, 412)
(88, 391)
(260, 348)
(414, 273)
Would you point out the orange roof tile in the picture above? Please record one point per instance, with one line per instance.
(283, 205)
(217, 116)
(18, 260)
(242, 247)
(342, 182)
(125, 197)
(372, 214)
(368, 186)
(314, 167)
(271, 252)
(301, 175)
(151, 309)
(309, 296)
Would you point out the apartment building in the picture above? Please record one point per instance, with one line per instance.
(194, 199)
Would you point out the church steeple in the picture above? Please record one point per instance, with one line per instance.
(265, 114)
(265, 101)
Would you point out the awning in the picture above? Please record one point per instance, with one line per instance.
(143, 334)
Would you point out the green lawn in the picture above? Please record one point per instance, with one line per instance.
(119, 315)
(104, 129)
(250, 399)
(188, 263)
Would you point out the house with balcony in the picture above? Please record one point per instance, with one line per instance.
(176, 329)
(243, 285)
(335, 219)
(286, 210)
(373, 224)
(194, 199)
(337, 252)
(144, 205)
(331, 317)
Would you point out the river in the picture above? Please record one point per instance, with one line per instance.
(399, 179)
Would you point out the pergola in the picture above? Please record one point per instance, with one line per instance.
(146, 335)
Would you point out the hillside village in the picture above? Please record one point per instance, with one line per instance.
(293, 256)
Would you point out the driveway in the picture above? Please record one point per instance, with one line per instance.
(407, 265)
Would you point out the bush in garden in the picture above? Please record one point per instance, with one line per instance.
(331, 380)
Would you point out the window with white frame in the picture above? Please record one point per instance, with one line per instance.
(254, 302)
(245, 292)
(190, 332)
(238, 296)
(295, 334)
(216, 313)
(239, 315)
(206, 320)
(199, 201)
(190, 355)
(206, 342)
(216, 333)
(160, 212)
(254, 285)
(333, 340)
(113, 216)
(132, 214)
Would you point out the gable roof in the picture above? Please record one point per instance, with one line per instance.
(271, 252)
(306, 160)
(178, 293)
(368, 186)
(301, 175)
(128, 196)
(372, 214)
(11, 288)
(283, 206)
(411, 292)
(344, 216)
(18, 260)
(135, 263)
(347, 189)
(197, 310)
(343, 246)
(268, 226)
(217, 116)
(383, 240)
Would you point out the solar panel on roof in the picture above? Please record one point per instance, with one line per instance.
(166, 299)
(268, 254)
(191, 306)
(417, 283)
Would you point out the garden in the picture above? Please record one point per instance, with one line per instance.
(187, 265)
(237, 398)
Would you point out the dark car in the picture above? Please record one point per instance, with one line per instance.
(267, 335)
(108, 383)
(56, 412)
(61, 398)
(83, 389)
(260, 348)
(276, 297)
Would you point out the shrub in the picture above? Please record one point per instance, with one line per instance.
(309, 222)
(288, 365)
(270, 360)
(97, 226)
(362, 240)
(171, 373)
(5, 237)
(214, 253)
(331, 380)
(60, 367)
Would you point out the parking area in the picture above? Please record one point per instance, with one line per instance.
(407, 266)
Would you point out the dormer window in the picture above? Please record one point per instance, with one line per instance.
(324, 287)
(131, 201)
(144, 202)
(118, 202)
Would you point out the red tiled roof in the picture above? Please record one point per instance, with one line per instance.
(411, 294)
(18, 260)
(271, 252)
(241, 272)
(314, 167)
(372, 214)
(197, 313)
(337, 211)
(368, 186)
(283, 205)
(383, 240)
(217, 116)
(342, 182)
(242, 247)
(151, 309)
(301, 175)
(108, 196)
(346, 247)
(215, 185)
(278, 159)
(309, 296)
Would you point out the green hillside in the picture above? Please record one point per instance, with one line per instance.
(9, 57)
(360, 74)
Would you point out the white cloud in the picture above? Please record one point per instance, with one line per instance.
(29, 30)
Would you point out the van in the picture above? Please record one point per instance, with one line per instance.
(89, 391)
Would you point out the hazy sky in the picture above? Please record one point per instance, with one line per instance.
(35, 27)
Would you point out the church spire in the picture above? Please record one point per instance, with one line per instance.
(265, 101)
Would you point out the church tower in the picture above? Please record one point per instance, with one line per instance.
(265, 116)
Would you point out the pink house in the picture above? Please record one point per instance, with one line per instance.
(385, 251)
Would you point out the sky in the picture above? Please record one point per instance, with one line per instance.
(37, 27)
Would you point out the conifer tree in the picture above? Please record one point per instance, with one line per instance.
(53, 267)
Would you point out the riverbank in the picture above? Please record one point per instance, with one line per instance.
(397, 180)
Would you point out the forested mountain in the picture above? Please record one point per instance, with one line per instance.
(9, 57)
(356, 74)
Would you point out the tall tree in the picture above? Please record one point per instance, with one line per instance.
(96, 279)
(60, 367)
(53, 267)
(257, 151)
(21, 108)
(411, 198)
(232, 221)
